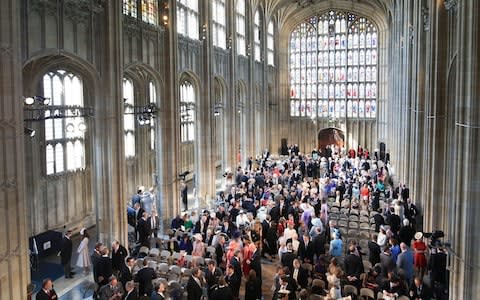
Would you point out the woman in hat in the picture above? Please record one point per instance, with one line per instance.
(419, 259)
(83, 260)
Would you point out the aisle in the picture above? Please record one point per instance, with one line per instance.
(268, 274)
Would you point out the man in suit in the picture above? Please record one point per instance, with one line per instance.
(95, 258)
(235, 262)
(154, 222)
(306, 249)
(299, 274)
(112, 291)
(405, 262)
(223, 291)
(126, 271)
(256, 265)
(233, 280)
(118, 256)
(353, 267)
(144, 278)
(219, 251)
(419, 291)
(143, 228)
(374, 250)
(212, 275)
(104, 267)
(47, 292)
(286, 290)
(194, 285)
(159, 292)
(66, 254)
(131, 292)
(288, 257)
(184, 193)
(138, 215)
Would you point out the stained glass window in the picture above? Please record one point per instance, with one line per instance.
(270, 44)
(150, 11)
(187, 18)
(257, 35)
(219, 24)
(129, 117)
(130, 8)
(241, 31)
(335, 55)
(65, 89)
(187, 112)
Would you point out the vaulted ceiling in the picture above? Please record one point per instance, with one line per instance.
(291, 11)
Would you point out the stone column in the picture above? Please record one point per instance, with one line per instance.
(205, 172)
(14, 262)
(435, 135)
(109, 157)
(168, 153)
(464, 220)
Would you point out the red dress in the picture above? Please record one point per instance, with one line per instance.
(419, 259)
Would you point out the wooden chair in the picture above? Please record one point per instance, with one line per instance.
(350, 290)
(319, 283)
(367, 294)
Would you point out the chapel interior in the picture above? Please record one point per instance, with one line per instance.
(101, 97)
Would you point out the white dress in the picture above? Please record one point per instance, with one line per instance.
(83, 260)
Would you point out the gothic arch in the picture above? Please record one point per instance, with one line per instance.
(37, 66)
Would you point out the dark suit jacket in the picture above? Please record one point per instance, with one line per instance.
(132, 296)
(118, 258)
(319, 244)
(374, 252)
(194, 291)
(302, 278)
(425, 293)
(234, 281)
(256, 265)
(222, 293)
(353, 266)
(66, 252)
(219, 254)
(287, 260)
(104, 269)
(306, 252)
(125, 274)
(212, 279)
(144, 278)
(41, 295)
(95, 257)
(253, 289)
(144, 230)
(236, 266)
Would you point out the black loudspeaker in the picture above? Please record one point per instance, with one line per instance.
(382, 151)
(284, 147)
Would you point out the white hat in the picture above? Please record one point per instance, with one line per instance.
(198, 237)
(418, 235)
(82, 231)
(141, 188)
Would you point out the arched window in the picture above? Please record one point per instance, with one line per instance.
(187, 18)
(241, 32)
(64, 136)
(270, 44)
(130, 8)
(129, 117)
(257, 36)
(219, 24)
(150, 11)
(334, 54)
(152, 94)
(187, 112)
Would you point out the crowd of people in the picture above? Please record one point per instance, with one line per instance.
(286, 212)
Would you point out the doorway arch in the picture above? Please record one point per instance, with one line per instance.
(330, 136)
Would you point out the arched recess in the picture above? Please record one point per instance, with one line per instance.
(66, 198)
(240, 121)
(146, 167)
(330, 136)
(189, 103)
